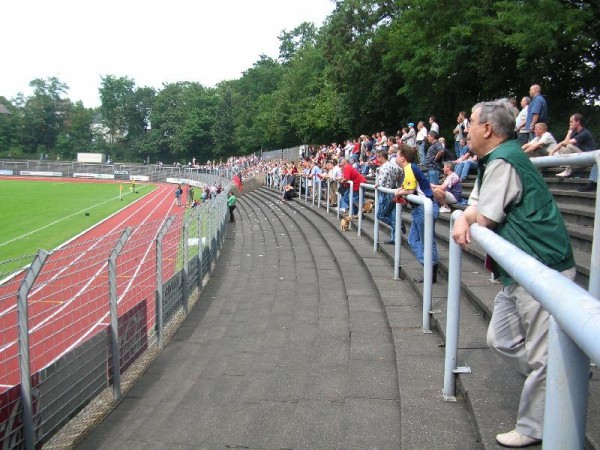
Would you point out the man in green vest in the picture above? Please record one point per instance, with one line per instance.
(231, 204)
(511, 198)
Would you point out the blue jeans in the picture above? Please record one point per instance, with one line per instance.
(462, 169)
(416, 235)
(434, 176)
(387, 212)
(345, 201)
(594, 173)
(421, 148)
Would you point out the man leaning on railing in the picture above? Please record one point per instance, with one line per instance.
(511, 198)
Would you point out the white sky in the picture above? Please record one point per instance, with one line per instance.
(150, 41)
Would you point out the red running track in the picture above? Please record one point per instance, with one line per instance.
(68, 303)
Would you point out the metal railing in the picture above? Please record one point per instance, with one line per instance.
(574, 335)
(427, 246)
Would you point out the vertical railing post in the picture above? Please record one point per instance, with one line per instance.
(114, 314)
(328, 193)
(567, 388)
(452, 315)
(350, 203)
(360, 207)
(24, 358)
(427, 262)
(397, 241)
(200, 252)
(186, 265)
(376, 222)
(159, 280)
(594, 283)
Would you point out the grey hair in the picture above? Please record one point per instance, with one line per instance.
(498, 113)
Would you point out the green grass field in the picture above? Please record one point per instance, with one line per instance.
(43, 214)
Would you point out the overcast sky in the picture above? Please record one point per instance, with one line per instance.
(149, 41)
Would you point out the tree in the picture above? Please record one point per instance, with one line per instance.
(116, 96)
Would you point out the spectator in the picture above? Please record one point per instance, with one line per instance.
(579, 139)
(421, 138)
(465, 164)
(349, 173)
(410, 137)
(511, 198)
(416, 183)
(542, 142)
(521, 130)
(231, 200)
(434, 157)
(537, 110)
(460, 131)
(450, 191)
(433, 126)
(389, 174)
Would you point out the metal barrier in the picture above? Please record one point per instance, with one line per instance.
(573, 339)
(428, 244)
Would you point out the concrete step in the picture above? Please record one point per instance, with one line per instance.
(492, 390)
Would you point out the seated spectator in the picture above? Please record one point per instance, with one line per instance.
(579, 139)
(450, 191)
(542, 143)
(465, 163)
(288, 193)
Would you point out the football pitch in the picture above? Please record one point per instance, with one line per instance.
(43, 214)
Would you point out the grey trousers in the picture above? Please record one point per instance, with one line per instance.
(518, 333)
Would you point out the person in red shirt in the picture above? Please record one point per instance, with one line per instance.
(349, 173)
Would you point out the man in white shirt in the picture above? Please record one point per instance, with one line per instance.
(522, 132)
(421, 138)
(542, 143)
(433, 126)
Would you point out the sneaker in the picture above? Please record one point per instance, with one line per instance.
(590, 187)
(445, 209)
(565, 174)
(514, 439)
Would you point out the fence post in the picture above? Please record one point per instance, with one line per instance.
(200, 253)
(376, 223)
(361, 194)
(159, 281)
(186, 265)
(24, 359)
(397, 241)
(452, 314)
(567, 388)
(114, 319)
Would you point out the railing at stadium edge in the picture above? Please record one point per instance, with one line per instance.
(574, 329)
(574, 334)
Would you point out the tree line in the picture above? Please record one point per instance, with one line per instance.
(373, 65)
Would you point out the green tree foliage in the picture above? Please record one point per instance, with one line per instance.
(373, 65)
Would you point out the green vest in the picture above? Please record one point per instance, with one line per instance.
(534, 223)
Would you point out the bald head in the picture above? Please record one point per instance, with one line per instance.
(535, 90)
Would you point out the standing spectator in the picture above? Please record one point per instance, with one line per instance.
(520, 129)
(388, 175)
(190, 195)
(542, 143)
(433, 126)
(349, 173)
(178, 193)
(460, 131)
(410, 137)
(450, 191)
(511, 198)
(421, 138)
(231, 205)
(434, 157)
(537, 110)
(416, 183)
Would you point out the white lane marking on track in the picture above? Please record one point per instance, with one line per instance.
(67, 303)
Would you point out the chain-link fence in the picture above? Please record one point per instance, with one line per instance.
(78, 318)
